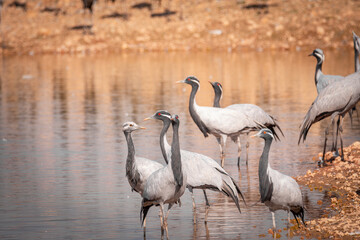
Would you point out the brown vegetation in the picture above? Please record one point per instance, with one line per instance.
(175, 25)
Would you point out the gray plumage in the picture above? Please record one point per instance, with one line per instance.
(202, 172)
(220, 122)
(322, 80)
(166, 185)
(335, 100)
(138, 169)
(253, 112)
(278, 191)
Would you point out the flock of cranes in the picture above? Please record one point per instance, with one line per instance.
(160, 184)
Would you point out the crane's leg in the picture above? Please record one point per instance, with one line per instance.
(247, 148)
(288, 213)
(222, 149)
(322, 161)
(340, 121)
(239, 150)
(163, 219)
(193, 203)
(274, 224)
(207, 206)
(336, 137)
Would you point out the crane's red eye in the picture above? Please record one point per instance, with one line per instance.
(264, 132)
(188, 79)
(177, 117)
(159, 114)
(218, 84)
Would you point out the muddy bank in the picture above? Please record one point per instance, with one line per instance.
(232, 25)
(341, 182)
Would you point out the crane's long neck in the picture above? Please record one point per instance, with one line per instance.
(176, 158)
(357, 63)
(195, 116)
(264, 180)
(217, 98)
(318, 71)
(163, 140)
(130, 161)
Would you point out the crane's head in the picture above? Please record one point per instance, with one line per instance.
(192, 80)
(264, 133)
(162, 115)
(217, 87)
(175, 119)
(356, 42)
(319, 54)
(131, 126)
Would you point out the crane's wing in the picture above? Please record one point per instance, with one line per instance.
(335, 98)
(225, 121)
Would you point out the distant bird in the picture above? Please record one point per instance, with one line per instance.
(278, 191)
(335, 100)
(202, 172)
(19, 5)
(88, 4)
(253, 112)
(220, 122)
(167, 184)
(138, 169)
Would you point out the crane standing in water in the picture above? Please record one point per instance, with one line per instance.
(253, 112)
(278, 191)
(202, 171)
(166, 185)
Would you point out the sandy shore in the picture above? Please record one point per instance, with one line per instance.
(174, 25)
(341, 182)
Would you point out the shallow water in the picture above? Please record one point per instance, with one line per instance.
(63, 153)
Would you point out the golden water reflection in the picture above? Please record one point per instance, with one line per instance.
(63, 152)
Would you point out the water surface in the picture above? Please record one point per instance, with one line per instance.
(63, 153)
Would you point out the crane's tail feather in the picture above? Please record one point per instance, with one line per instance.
(274, 126)
(228, 191)
(145, 206)
(238, 190)
(299, 214)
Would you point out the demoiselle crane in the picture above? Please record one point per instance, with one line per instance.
(335, 100)
(202, 172)
(220, 122)
(253, 112)
(322, 81)
(166, 185)
(277, 191)
(138, 169)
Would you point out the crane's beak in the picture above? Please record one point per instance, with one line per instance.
(212, 83)
(312, 54)
(181, 81)
(140, 127)
(255, 135)
(148, 118)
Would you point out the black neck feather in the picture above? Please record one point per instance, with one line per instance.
(217, 98)
(266, 187)
(193, 113)
(176, 157)
(131, 154)
(357, 63)
(162, 136)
